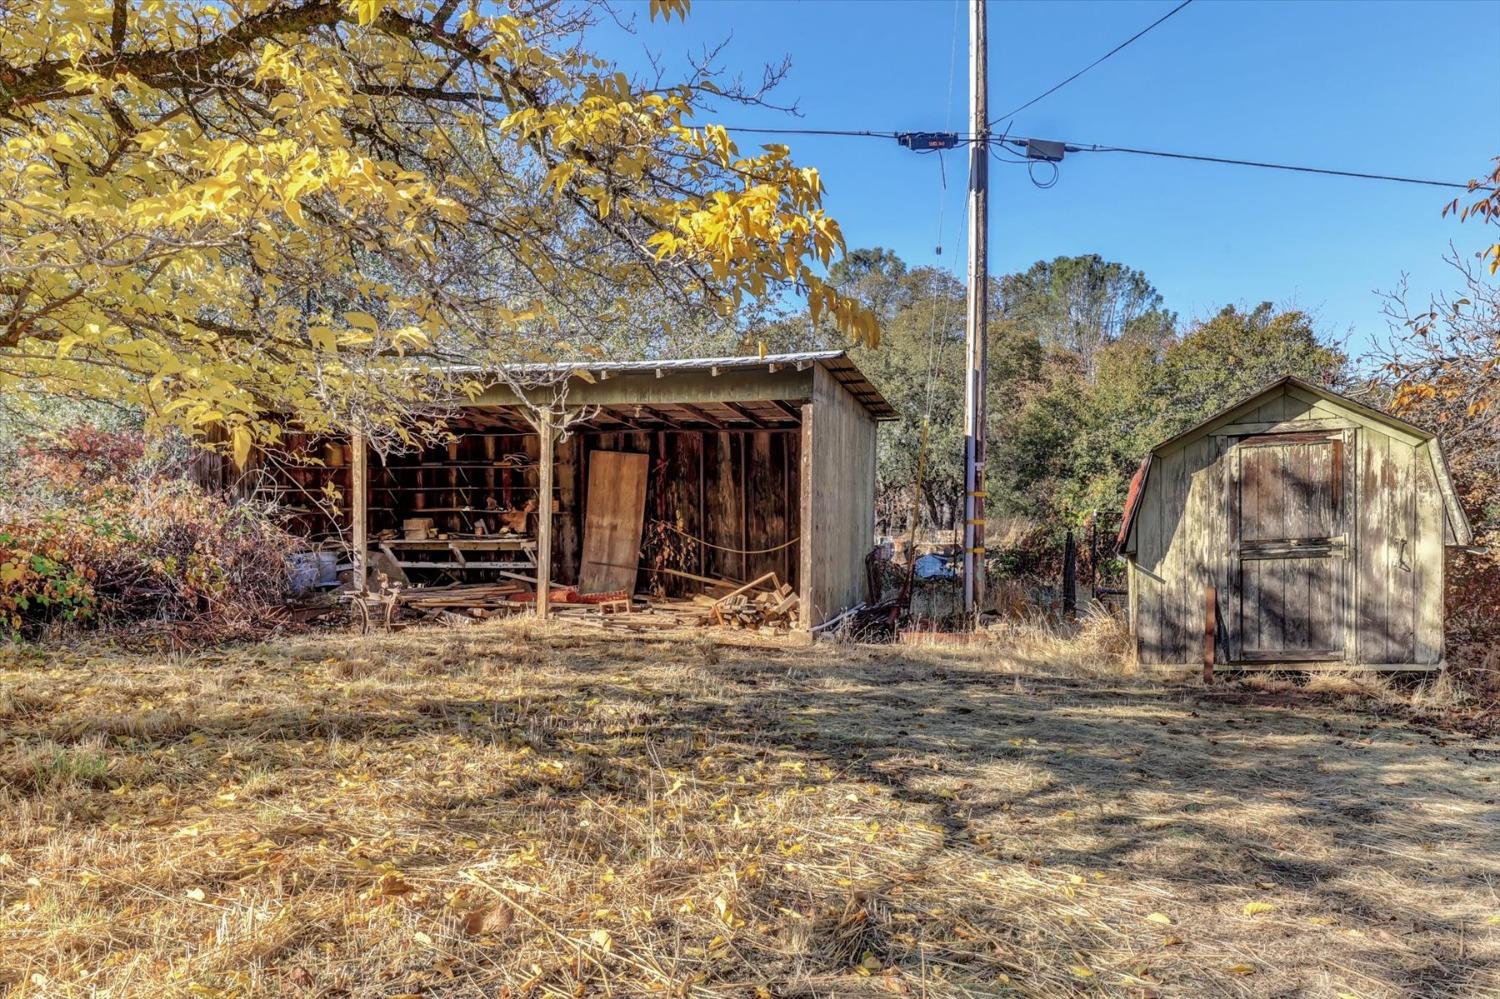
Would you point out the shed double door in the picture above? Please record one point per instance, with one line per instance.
(1289, 547)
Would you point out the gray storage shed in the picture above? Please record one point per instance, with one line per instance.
(1298, 529)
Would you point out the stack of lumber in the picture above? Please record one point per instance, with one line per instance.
(475, 601)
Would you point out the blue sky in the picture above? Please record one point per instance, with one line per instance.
(1400, 88)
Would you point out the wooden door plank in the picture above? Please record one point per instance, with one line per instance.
(612, 528)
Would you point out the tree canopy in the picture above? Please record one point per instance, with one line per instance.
(1087, 370)
(219, 213)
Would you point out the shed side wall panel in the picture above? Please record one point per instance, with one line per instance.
(1181, 537)
(1398, 552)
(841, 490)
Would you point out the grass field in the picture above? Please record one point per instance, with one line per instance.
(509, 811)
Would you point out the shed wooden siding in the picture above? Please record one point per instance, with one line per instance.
(838, 498)
(1181, 540)
(734, 490)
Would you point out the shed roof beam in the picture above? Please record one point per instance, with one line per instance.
(746, 414)
(703, 415)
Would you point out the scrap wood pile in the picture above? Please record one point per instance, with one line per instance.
(458, 604)
(765, 604)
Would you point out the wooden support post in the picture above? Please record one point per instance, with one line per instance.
(976, 336)
(548, 434)
(359, 489)
(1070, 575)
(1210, 629)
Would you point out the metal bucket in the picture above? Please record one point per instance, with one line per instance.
(308, 571)
(302, 571)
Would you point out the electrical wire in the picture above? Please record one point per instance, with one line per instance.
(859, 133)
(963, 140)
(1078, 147)
(1050, 182)
(1081, 147)
(1091, 65)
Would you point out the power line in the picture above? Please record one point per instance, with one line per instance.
(1079, 147)
(1091, 65)
(859, 133)
(1074, 147)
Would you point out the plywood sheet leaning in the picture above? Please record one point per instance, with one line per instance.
(612, 521)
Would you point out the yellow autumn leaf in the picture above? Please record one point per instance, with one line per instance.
(1241, 969)
(366, 10)
(241, 441)
(1257, 908)
(1159, 917)
(1082, 971)
(323, 338)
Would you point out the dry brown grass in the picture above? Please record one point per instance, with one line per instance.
(513, 810)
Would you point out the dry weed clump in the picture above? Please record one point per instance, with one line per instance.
(520, 810)
(1097, 643)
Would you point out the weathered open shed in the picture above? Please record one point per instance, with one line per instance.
(737, 466)
(1297, 528)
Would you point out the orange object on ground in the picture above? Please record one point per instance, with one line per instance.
(560, 595)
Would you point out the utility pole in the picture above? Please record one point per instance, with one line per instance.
(978, 312)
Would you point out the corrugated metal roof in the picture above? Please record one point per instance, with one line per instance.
(836, 362)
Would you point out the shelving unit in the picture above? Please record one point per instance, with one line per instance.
(296, 486)
(461, 485)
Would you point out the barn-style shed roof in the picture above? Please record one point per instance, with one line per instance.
(1460, 533)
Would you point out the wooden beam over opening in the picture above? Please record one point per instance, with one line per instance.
(703, 415)
(746, 414)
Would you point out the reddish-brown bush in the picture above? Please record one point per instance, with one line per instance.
(93, 529)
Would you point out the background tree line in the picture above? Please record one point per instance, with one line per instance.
(1087, 370)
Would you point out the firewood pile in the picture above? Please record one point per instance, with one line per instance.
(395, 606)
(476, 601)
(753, 607)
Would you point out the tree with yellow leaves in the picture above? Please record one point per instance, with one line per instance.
(307, 209)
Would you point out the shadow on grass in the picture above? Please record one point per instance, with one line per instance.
(1325, 814)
